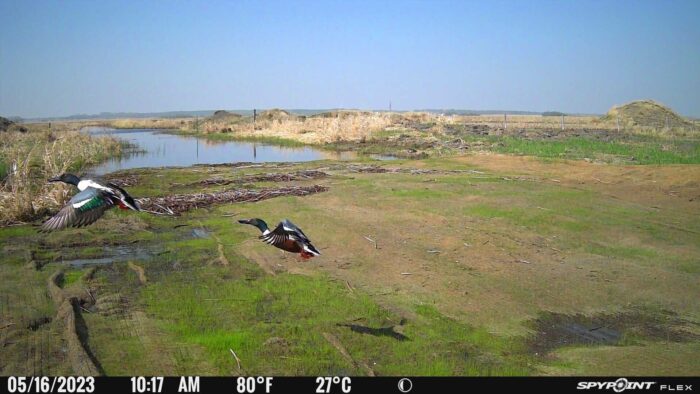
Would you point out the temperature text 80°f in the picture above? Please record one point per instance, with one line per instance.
(249, 384)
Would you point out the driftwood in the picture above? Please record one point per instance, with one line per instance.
(179, 203)
(238, 360)
(123, 181)
(413, 171)
(269, 177)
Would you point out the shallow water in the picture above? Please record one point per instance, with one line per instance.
(159, 149)
(113, 254)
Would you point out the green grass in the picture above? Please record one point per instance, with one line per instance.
(642, 151)
(4, 169)
(71, 277)
(242, 315)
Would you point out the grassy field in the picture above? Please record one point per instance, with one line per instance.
(483, 264)
(629, 150)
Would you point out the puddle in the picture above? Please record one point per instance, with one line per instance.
(377, 332)
(555, 330)
(113, 254)
(36, 323)
(200, 233)
(383, 157)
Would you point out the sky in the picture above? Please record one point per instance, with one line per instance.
(60, 58)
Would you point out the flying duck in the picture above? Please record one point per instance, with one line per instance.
(89, 204)
(286, 236)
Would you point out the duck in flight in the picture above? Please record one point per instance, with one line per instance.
(286, 236)
(89, 204)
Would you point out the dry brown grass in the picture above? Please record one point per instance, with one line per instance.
(354, 126)
(28, 159)
(150, 123)
(350, 126)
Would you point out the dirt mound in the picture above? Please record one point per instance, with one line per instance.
(275, 114)
(221, 114)
(647, 113)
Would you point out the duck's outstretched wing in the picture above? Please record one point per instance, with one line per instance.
(276, 237)
(293, 230)
(83, 209)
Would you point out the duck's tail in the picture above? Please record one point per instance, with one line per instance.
(310, 249)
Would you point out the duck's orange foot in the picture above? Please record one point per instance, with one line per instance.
(305, 255)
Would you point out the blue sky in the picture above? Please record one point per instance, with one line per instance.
(66, 57)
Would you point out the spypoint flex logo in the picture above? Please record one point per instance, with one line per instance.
(617, 386)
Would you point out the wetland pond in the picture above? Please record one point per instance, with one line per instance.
(157, 148)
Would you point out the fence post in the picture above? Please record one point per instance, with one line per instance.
(505, 121)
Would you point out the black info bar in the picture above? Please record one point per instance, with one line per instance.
(341, 384)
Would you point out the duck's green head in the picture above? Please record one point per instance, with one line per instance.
(66, 178)
(259, 223)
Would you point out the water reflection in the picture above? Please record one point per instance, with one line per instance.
(157, 149)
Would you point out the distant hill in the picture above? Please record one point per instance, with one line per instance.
(553, 113)
(646, 113)
(5, 123)
(475, 112)
(225, 115)
(274, 113)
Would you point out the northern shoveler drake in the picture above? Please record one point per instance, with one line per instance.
(89, 204)
(286, 236)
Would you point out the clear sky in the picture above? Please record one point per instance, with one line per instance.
(66, 57)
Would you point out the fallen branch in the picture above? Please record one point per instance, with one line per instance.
(269, 177)
(372, 241)
(238, 360)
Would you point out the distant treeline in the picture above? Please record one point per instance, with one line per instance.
(249, 112)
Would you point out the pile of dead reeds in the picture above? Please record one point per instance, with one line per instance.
(176, 204)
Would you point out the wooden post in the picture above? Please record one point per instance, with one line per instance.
(255, 115)
(562, 122)
(505, 121)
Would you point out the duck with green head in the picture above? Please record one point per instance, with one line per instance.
(89, 204)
